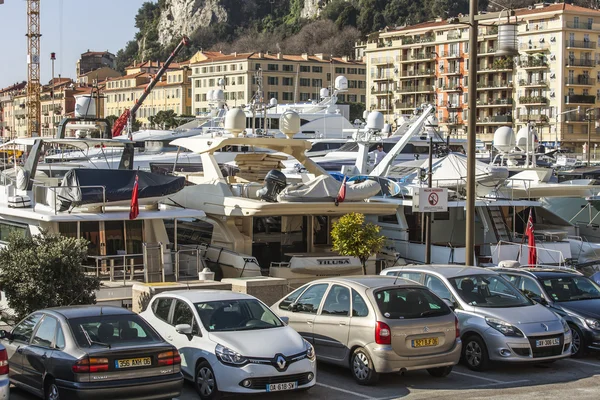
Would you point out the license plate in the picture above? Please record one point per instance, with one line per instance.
(133, 362)
(427, 342)
(278, 387)
(547, 342)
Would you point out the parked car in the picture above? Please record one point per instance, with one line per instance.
(497, 322)
(374, 325)
(232, 342)
(4, 379)
(91, 352)
(568, 293)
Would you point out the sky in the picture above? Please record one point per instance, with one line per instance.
(96, 25)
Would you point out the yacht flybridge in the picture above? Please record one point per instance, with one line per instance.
(272, 226)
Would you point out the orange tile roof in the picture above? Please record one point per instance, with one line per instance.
(130, 76)
(214, 56)
(96, 53)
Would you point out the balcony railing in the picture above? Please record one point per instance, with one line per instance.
(491, 30)
(413, 40)
(580, 99)
(534, 64)
(579, 25)
(533, 82)
(451, 54)
(486, 50)
(495, 102)
(450, 71)
(418, 72)
(534, 46)
(493, 84)
(453, 35)
(573, 117)
(418, 56)
(379, 92)
(580, 80)
(580, 63)
(533, 100)
(413, 89)
(406, 105)
(581, 44)
(451, 86)
(496, 118)
(452, 121)
(540, 118)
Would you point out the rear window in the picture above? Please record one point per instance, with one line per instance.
(113, 330)
(406, 303)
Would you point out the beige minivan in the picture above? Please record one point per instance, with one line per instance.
(375, 324)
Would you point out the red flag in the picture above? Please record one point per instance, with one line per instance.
(342, 193)
(134, 209)
(530, 232)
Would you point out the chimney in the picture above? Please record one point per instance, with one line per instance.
(279, 56)
(235, 53)
(260, 54)
(305, 56)
(345, 58)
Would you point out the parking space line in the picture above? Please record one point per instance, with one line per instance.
(343, 390)
(477, 377)
(583, 362)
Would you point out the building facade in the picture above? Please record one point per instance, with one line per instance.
(286, 78)
(554, 82)
(93, 60)
(8, 120)
(173, 92)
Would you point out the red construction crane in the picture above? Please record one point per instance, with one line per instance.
(128, 115)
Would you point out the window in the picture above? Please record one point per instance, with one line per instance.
(240, 80)
(489, 291)
(337, 302)
(437, 286)
(272, 95)
(359, 306)
(116, 330)
(405, 303)
(44, 335)
(570, 288)
(529, 287)
(191, 231)
(288, 82)
(288, 68)
(23, 331)
(161, 308)
(304, 96)
(388, 219)
(273, 80)
(317, 83)
(272, 67)
(288, 96)
(304, 68)
(285, 303)
(236, 315)
(304, 82)
(317, 69)
(257, 66)
(183, 315)
(339, 70)
(310, 300)
(60, 339)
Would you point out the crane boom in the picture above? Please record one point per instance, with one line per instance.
(34, 114)
(128, 115)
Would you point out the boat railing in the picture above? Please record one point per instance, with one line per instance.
(113, 268)
(40, 195)
(558, 258)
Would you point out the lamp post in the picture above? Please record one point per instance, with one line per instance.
(52, 58)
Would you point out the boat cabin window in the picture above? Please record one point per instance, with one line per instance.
(107, 237)
(388, 219)
(190, 232)
(275, 239)
(6, 229)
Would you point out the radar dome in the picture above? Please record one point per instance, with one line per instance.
(341, 83)
(289, 123)
(375, 121)
(210, 95)
(504, 139)
(273, 101)
(522, 138)
(221, 82)
(235, 121)
(365, 114)
(219, 95)
(324, 93)
(85, 106)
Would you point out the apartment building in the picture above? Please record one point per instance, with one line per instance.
(556, 73)
(287, 78)
(173, 92)
(93, 60)
(7, 110)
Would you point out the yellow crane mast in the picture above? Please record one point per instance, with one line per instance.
(33, 67)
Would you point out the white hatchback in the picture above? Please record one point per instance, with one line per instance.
(232, 342)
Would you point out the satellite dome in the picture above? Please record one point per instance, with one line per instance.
(522, 138)
(273, 101)
(375, 121)
(324, 93)
(219, 95)
(504, 139)
(341, 83)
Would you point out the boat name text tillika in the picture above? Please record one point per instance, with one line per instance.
(339, 261)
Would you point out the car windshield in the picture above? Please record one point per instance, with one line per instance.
(112, 331)
(570, 288)
(236, 315)
(490, 291)
(406, 303)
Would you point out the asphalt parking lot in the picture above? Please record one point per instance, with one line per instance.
(569, 378)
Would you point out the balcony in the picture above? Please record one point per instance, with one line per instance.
(580, 99)
(382, 76)
(533, 83)
(415, 89)
(581, 63)
(417, 57)
(580, 44)
(495, 102)
(537, 118)
(417, 73)
(412, 40)
(494, 85)
(574, 117)
(450, 71)
(534, 64)
(533, 100)
(495, 120)
(491, 30)
(406, 106)
(452, 121)
(451, 54)
(451, 87)
(451, 106)
(500, 64)
(380, 92)
(534, 47)
(382, 60)
(579, 25)
(580, 80)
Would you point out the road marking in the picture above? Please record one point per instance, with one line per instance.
(477, 377)
(583, 362)
(343, 390)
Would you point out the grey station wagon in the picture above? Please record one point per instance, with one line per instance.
(375, 324)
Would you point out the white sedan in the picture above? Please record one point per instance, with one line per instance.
(232, 342)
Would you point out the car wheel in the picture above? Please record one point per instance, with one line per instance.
(578, 342)
(362, 368)
(475, 353)
(205, 382)
(51, 392)
(439, 372)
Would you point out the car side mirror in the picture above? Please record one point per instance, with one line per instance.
(285, 320)
(450, 304)
(4, 334)
(294, 307)
(184, 329)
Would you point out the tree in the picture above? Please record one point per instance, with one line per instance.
(353, 237)
(43, 271)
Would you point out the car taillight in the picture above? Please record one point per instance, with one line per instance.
(456, 327)
(383, 334)
(91, 365)
(169, 358)
(3, 362)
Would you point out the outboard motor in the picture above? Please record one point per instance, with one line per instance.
(275, 182)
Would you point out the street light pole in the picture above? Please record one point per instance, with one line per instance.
(472, 121)
(589, 138)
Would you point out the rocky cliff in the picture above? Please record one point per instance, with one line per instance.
(183, 17)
